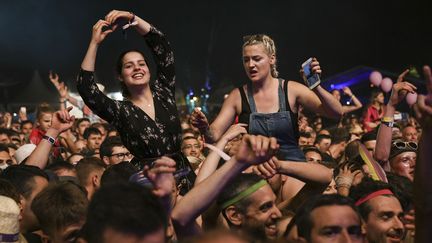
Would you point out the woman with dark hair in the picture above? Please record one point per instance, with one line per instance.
(374, 111)
(147, 119)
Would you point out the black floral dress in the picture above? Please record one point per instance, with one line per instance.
(144, 137)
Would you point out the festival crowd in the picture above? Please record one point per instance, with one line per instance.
(282, 161)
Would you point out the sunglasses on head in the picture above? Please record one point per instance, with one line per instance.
(404, 145)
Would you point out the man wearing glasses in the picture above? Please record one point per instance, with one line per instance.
(113, 152)
(403, 158)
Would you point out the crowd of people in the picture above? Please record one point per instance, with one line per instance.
(281, 162)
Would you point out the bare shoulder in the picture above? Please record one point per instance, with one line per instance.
(299, 90)
(295, 86)
(234, 99)
(294, 89)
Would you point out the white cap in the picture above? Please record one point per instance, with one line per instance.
(23, 152)
(9, 215)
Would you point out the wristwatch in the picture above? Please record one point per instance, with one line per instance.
(389, 124)
(50, 139)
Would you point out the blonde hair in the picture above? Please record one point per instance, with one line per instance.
(268, 44)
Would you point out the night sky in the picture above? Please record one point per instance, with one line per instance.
(206, 36)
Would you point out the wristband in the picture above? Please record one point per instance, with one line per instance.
(387, 119)
(50, 139)
(347, 186)
(131, 22)
(343, 181)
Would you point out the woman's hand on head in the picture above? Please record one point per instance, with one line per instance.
(100, 30)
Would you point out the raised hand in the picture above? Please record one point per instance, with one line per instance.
(161, 176)
(401, 88)
(256, 149)
(268, 169)
(115, 17)
(62, 120)
(234, 130)
(100, 30)
(315, 68)
(60, 86)
(63, 91)
(347, 91)
(54, 78)
(199, 120)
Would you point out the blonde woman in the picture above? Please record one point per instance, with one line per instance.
(268, 104)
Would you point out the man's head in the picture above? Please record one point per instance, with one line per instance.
(329, 218)
(340, 139)
(7, 189)
(29, 181)
(380, 210)
(409, 134)
(5, 158)
(94, 138)
(74, 158)
(89, 172)
(65, 215)
(26, 127)
(191, 147)
(340, 136)
(323, 142)
(312, 154)
(81, 125)
(62, 168)
(81, 145)
(305, 139)
(121, 212)
(102, 127)
(403, 158)
(396, 131)
(248, 204)
(15, 138)
(369, 141)
(112, 151)
(4, 136)
(120, 172)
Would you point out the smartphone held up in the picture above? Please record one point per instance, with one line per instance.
(311, 79)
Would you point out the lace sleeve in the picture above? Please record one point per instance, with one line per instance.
(95, 99)
(164, 59)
